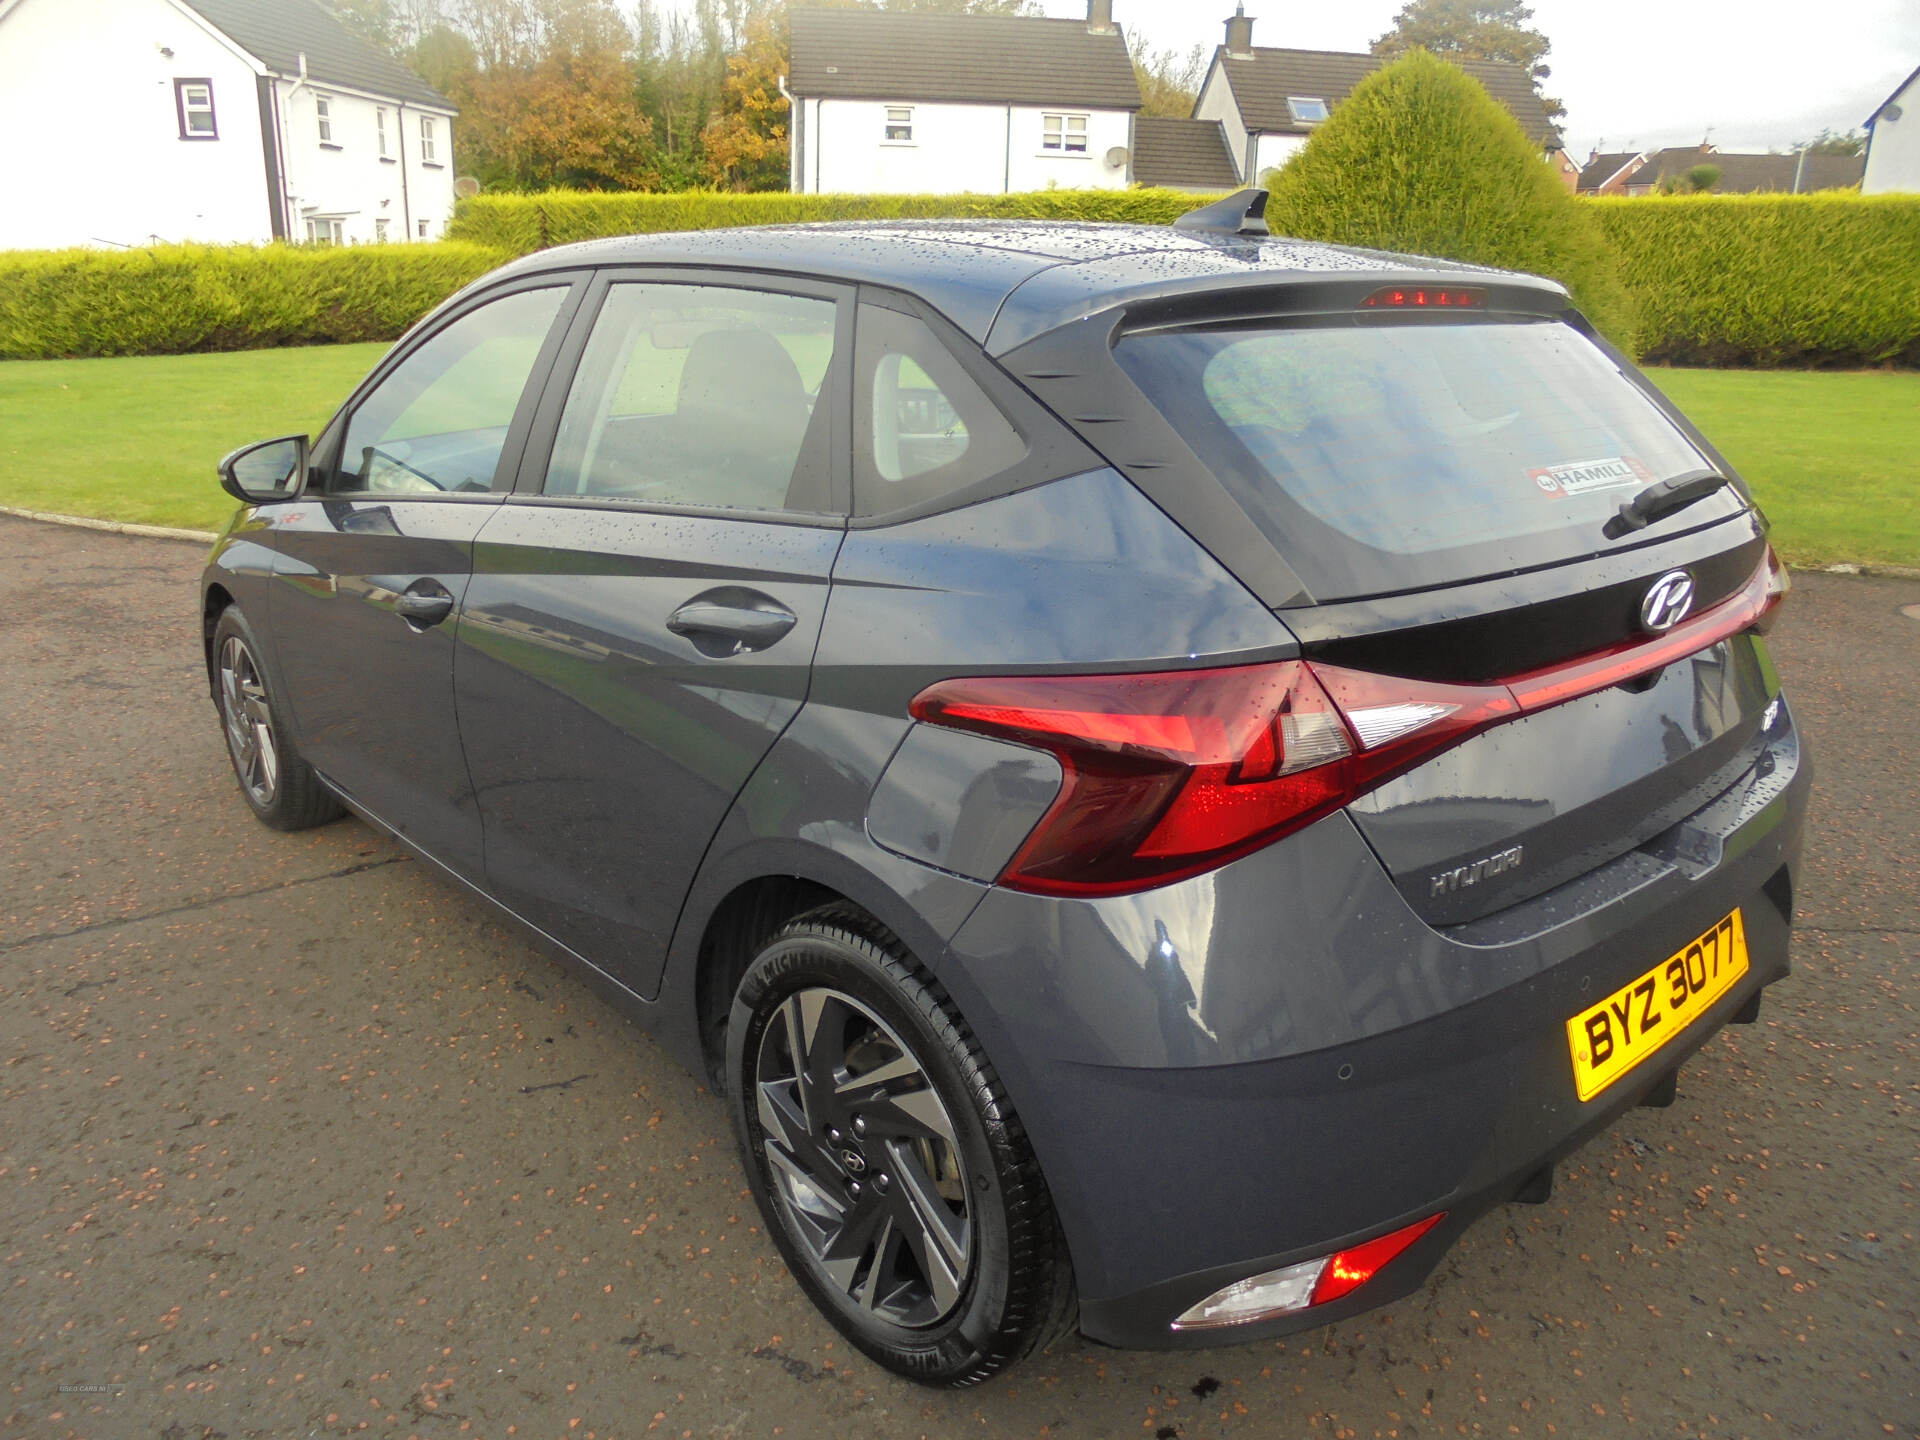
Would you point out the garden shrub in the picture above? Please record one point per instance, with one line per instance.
(1421, 158)
(1779, 280)
(180, 298)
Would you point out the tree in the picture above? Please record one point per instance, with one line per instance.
(1169, 80)
(746, 143)
(1421, 158)
(1835, 142)
(570, 121)
(1474, 30)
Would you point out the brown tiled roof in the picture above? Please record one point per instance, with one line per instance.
(1262, 84)
(1754, 174)
(1182, 154)
(278, 32)
(991, 59)
(1602, 168)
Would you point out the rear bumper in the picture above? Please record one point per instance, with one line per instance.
(1278, 1061)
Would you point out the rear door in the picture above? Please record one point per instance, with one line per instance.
(373, 560)
(643, 612)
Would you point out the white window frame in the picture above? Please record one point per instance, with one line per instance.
(379, 229)
(429, 149)
(326, 230)
(1294, 102)
(183, 90)
(380, 131)
(423, 229)
(323, 117)
(897, 118)
(1059, 130)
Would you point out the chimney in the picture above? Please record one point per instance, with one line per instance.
(1240, 34)
(1100, 17)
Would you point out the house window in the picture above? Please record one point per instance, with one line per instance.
(423, 229)
(1307, 109)
(1066, 133)
(323, 114)
(379, 229)
(429, 154)
(380, 130)
(900, 124)
(324, 231)
(193, 102)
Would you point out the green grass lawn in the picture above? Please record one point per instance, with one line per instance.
(137, 438)
(1833, 457)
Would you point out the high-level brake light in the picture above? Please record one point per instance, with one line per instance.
(1426, 297)
(1168, 774)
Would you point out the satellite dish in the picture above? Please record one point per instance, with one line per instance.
(466, 187)
(1117, 157)
(1892, 112)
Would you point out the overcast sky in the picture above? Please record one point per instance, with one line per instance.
(1759, 74)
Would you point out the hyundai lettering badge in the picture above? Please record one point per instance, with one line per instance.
(1667, 602)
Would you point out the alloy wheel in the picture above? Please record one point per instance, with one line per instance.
(249, 722)
(865, 1158)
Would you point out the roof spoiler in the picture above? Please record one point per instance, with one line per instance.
(1242, 213)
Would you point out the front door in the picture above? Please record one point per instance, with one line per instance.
(642, 617)
(372, 563)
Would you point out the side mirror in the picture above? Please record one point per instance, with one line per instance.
(270, 470)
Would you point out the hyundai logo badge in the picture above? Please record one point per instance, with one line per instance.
(1667, 602)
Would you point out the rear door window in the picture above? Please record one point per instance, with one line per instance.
(702, 395)
(1391, 456)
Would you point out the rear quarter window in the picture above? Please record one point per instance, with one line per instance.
(1383, 456)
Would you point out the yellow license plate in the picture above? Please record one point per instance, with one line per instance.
(1610, 1038)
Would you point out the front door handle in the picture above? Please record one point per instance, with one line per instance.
(731, 621)
(424, 603)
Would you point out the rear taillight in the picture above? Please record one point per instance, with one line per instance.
(1166, 775)
(1169, 774)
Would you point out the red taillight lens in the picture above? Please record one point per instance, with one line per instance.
(1169, 774)
(1351, 1269)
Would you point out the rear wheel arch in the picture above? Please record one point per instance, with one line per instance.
(746, 917)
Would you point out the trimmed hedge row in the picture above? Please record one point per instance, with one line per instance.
(1768, 280)
(524, 223)
(1771, 280)
(181, 298)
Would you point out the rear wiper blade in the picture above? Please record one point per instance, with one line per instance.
(1663, 499)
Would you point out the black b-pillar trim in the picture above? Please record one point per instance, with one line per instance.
(270, 147)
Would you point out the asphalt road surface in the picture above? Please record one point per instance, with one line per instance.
(297, 1141)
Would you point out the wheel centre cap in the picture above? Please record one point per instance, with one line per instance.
(855, 1162)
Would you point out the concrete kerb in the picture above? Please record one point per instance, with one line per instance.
(117, 527)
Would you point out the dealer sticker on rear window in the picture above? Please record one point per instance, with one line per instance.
(1579, 476)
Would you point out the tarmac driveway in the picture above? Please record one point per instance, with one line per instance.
(296, 1141)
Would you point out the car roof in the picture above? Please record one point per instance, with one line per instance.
(1006, 281)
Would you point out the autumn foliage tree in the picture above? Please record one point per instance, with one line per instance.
(568, 121)
(745, 144)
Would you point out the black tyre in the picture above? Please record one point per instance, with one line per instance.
(892, 1172)
(280, 787)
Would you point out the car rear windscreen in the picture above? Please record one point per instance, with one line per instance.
(1381, 457)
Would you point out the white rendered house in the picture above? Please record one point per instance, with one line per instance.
(212, 120)
(1893, 142)
(903, 102)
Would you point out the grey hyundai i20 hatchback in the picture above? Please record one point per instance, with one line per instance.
(1161, 772)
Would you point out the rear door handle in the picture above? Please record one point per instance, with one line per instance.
(423, 603)
(731, 621)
